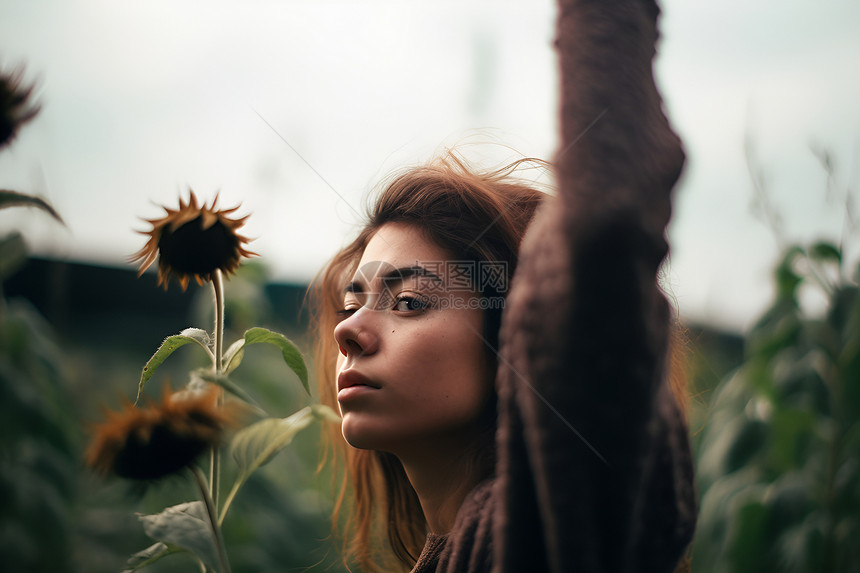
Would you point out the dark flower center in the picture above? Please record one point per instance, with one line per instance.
(163, 453)
(192, 250)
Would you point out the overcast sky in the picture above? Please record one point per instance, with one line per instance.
(297, 108)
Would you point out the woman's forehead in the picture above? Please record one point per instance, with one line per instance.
(400, 252)
(402, 245)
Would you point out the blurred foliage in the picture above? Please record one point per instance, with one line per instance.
(17, 107)
(37, 432)
(779, 454)
(15, 199)
(37, 437)
(56, 516)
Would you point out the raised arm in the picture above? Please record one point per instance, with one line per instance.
(617, 149)
(595, 473)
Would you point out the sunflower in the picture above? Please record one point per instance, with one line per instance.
(156, 441)
(16, 109)
(193, 241)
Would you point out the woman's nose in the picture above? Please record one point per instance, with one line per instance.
(356, 335)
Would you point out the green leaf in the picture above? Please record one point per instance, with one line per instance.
(257, 444)
(15, 199)
(790, 439)
(787, 279)
(844, 312)
(750, 535)
(13, 254)
(149, 556)
(789, 498)
(225, 382)
(780, 328)
(233, 356)
(171, 343)
(746, 443)
(186, 526)
(292, 355)
(824, 251)
(800, 546)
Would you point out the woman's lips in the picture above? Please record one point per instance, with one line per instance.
(350, 383)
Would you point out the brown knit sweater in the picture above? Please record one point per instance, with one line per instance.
(594, 471)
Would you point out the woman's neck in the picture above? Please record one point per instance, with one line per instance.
(442, 478)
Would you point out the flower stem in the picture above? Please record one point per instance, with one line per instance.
(214, 474)
(229, 500)
(218, 287)
(217, 366)
(213, 518)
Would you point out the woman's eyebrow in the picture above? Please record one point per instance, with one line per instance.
(404, 273)
(394, 275)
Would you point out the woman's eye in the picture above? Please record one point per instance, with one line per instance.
(346, 312)
(410, 304)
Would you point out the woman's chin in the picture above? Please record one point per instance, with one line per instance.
(358, 435)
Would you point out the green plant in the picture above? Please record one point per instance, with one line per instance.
(147, 443)
(37, 436)
(778, 459)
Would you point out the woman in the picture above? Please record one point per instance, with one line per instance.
(554, 443)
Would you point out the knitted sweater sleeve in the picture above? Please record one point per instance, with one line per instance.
(595, 473)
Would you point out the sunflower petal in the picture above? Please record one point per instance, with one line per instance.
(194, 241)
(208, 219)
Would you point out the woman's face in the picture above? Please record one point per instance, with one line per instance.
(413, 369)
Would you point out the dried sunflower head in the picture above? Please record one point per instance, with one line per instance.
(193, 241)
(16, 109)
(153, 442)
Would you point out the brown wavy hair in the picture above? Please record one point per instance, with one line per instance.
(474, 215)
